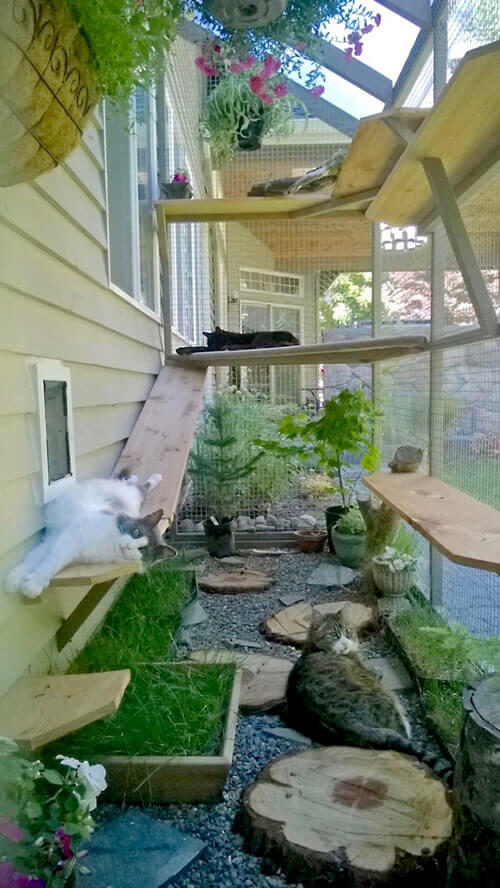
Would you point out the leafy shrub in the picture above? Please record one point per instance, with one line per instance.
(351, 523)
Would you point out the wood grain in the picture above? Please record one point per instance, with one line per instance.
(264, 677)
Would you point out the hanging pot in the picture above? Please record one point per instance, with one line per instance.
(250, 133)
(332, 515)
(220, 537)
(47, 87)
(246, 13)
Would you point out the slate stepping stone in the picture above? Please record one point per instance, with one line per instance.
(328, 574)
(264, 679)
(194, 614)
(233, 581)
(292, 624)
(394, 675)
(284, 733)
(291, 598)
(136, 850)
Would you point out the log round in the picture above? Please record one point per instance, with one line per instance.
(291, 625)
(264, 677)
(475, 847)
(231, 582)
(350, 817)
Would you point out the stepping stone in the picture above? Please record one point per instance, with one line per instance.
(288, 734)
(291, 625)
(264, 679)
(292, 598)
(137, 850)
(394, 675)
(233, 561)
(233, 581)
(350, 816)
(193, 614)
(271, 552)
(245, 642)
(328, 574)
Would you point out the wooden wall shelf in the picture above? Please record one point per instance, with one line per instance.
(464, 529)
(90, 574)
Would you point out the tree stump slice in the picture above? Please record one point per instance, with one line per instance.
(475, 847)
(264, 678)
(291, 625)
(350, 817)
(233, 581)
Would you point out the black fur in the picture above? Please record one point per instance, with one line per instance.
(226, 340)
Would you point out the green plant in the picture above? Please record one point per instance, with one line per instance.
(405, 541)
(44, 816)
(443, 703)
(317, 486)
(395, 560)
(346, 301)
(129, 40)
(344, 426)
(351, 523)
(233, 106)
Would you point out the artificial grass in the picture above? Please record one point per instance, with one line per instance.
(168, 709)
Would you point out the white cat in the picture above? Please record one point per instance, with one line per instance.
(88, 522)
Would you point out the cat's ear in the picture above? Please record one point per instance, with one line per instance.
(206, 334)
(152, 519)
(218, 329)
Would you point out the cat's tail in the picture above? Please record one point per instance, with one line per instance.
(382, 738)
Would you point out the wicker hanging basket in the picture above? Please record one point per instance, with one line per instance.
(47, 87)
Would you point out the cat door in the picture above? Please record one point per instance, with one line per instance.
(56, 425)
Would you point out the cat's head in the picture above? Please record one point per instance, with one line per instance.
(140, 533)
(216, 339)
(330, 632)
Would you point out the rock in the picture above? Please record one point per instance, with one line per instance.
(329, 574)
(291, 598)
(193, 615)
(280, 524)
(186, 526)
(288, 734)
(233, 561)
(393, 674)
(272, 520)
(260, 519)
(137, 850)
(306, 521)
(198, 528)
(293, 523)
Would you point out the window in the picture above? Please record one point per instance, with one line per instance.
(257, 281)
(280, 384)
(56, 424)
(131, 168)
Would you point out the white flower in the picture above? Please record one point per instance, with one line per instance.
(93, 780)
(69, 762)
(398, 564)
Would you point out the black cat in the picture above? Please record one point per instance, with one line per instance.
(224, 340)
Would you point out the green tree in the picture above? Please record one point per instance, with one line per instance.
(346, 301)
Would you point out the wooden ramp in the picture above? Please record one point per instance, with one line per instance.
(162, 436)
(36, 711)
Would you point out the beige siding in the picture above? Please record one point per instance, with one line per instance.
(55, 302)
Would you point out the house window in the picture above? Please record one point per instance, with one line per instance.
(56, 425)
(132, 186)
(280, 384)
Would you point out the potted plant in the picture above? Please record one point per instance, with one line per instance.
(45, 815)
(218, 463)
(349, 538)
(58, 58)
(394, 571)
(310, 539)
(179, 188)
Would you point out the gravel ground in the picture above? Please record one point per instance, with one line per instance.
(224, 863)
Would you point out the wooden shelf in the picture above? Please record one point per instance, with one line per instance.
(362, 351)
(463, 130)
(90, 574)
(35, 711)
(464, 529)
(248, 209)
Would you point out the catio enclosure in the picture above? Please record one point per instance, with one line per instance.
(375, 269)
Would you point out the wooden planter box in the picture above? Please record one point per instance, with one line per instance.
(159, 779)
(47, 87)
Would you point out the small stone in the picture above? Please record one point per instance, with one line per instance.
(293, 523)
(306, 521)
(288, 734)
(280, 524)
(186, 526)
(245, 642)
(329, 574)
(393, 673)
(291, 598)
(233, 561)
(199, 528)
(271, 519)
(260, 519)
(193, 615)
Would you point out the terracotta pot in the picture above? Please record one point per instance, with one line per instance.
(310, 540)
(47, 87)
(394, 585)
(350, 548)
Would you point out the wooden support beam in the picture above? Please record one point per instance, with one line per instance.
(81, 613)
(460, 243)
(324, 110)
(363, 76)
(418, 12)
(354, 202)
(468, 188)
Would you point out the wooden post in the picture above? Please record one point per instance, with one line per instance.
(475, 848)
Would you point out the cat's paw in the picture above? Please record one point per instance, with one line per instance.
(32, 586)
(153, 481)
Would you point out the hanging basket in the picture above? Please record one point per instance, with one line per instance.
(47, 87)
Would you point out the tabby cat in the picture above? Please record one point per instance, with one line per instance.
(334, 698)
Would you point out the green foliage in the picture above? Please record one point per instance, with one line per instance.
(344, 426)
(346, 301)
(129, 41)
(247, 417)
(232, 105)
(406, 541)
(443, 702)
(351, 523)
(318, 487)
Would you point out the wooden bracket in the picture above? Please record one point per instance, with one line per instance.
(71, 626)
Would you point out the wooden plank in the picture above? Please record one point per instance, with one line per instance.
(162, 436)
(463, 130)
(40, 709)
(339, 204)
(464, 529)
(81, 612)
(225, 209)
(264, 677)
(89, 574)
(358, 352)
(374, 150)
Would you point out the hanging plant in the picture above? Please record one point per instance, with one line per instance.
(295, 33)
(250, 101)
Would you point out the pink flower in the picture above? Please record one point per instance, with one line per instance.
(236, 67)
(280, 90)
(367, 29)
(65, 843)
(256, 84)
(248, 62)
(348, 53)
(217, 48)
(266, 98)
(378, 19)
(200, 63)
(354, 37)
(210, 71)
(358, 49)
(317, 91)
(271, 66)
(10, 830)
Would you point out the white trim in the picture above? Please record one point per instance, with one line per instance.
(271, 293)
(145, 309)
(53, 371)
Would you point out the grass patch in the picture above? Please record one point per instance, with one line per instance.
(167, 710)
(443, 702)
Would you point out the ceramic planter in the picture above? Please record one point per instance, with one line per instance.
(310, 540)
(349, 548)
(332, 515)
(393, 584)
(47, 87)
